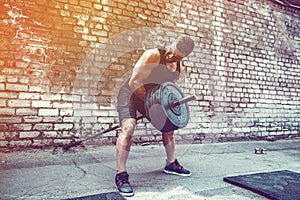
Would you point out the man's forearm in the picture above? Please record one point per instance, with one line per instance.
(141, 92)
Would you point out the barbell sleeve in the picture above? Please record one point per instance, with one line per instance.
(184, 100)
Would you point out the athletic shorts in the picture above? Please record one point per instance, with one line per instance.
(128, 103)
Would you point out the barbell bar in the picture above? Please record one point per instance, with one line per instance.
(184, 100)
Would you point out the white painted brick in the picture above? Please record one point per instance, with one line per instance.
(50, 134)
(2, 135)
(23, 127)
(82, 113)
(54, 119)
(3, 103)
(106, 120)
(28, 95)
(89, 120)
(62, 105)
(29, 134)
(32, 119)
(72, 98)
(26, 111)
(40, 89)
(61, 141)
(19, 103)
(101, 113)
(43, 126)
(66, 112)
(51, 97)
(75, 119)
(2, 78)
(11, 79)
(48, 112)
(4, 143)
(63, 126)
(41, 104)
(16, 87)
(92, 106)
(7, 111)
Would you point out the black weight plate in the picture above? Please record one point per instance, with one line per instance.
(181, 120)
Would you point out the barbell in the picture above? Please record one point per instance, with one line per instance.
(165, 108)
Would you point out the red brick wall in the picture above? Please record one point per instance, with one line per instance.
(62, 62)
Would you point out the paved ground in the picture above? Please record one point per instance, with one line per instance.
(54, 174)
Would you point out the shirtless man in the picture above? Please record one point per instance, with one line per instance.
(154, 67)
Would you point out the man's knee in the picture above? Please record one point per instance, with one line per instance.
(128, 126)
(168, 134)
(168, 138)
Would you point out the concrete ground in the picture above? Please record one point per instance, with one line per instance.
(87, 170)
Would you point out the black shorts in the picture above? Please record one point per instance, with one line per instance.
(128, 103)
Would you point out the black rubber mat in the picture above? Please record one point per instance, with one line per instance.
(281, 185)
(103, 196)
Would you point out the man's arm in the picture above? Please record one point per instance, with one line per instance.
(142, 69)
(179, 78)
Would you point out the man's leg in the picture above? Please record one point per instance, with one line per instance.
(123, 142)
(173, 166)
(169, 144)
(122, 149)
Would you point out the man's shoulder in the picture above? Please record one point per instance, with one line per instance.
(152, 52)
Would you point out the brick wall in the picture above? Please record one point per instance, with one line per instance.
(62, 62)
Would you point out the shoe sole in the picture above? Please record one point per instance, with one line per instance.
(125, 194)
(175, 173)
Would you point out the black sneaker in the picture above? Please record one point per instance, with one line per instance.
(123, 184)
(176, 169)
